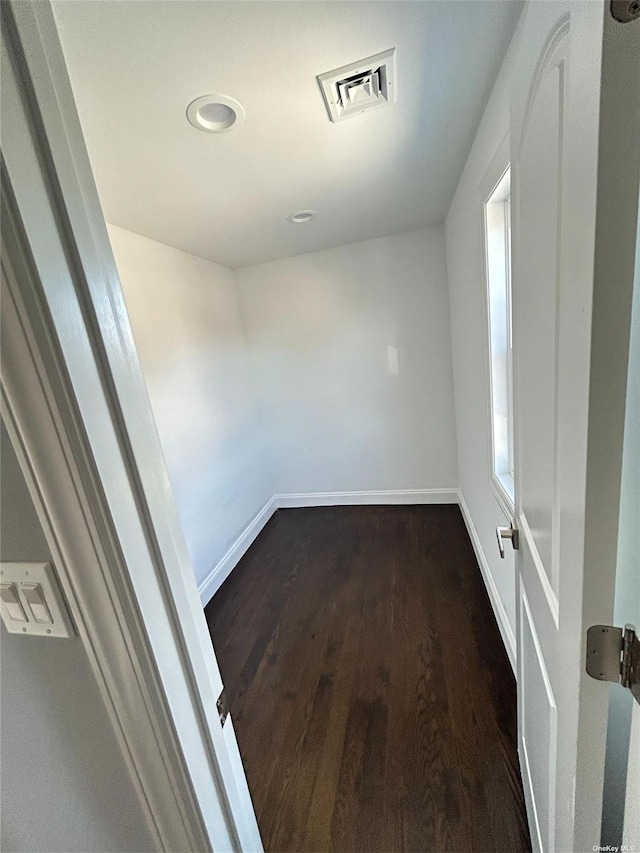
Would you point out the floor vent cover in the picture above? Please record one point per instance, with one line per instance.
(361, 86)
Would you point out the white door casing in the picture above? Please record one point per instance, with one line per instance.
(571, 303)
(79, 417)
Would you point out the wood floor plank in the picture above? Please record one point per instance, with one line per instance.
(372, 697)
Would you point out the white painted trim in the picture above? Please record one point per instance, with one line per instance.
(223, 568)
(496, 170)
(508, 637)
(221, 571)
(530, 803)
(381, 498)
(502, 496)
(545, 583)
(548, 843)
(42, 428)
(79, 416)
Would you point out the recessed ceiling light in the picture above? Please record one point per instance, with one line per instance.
(302, 216)
(215, 113)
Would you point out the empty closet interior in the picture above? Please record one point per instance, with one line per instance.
(293, 198)
(288, 363)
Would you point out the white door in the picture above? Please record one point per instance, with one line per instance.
(573, 227)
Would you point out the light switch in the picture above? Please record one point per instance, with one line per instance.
(36, 603)
(11, 605)
(32, 601)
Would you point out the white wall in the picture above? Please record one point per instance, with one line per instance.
(341, 383)
(324, 329)
(65, 784)
(463, 229)
(188, 330)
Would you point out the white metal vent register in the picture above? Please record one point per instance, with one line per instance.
(361, 86)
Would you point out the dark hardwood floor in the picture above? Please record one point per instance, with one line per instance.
(372, 697)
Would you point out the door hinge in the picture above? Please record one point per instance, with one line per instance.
(613, 654)
(223, 708)
(625, 10)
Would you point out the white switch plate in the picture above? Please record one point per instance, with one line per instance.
(43, 575)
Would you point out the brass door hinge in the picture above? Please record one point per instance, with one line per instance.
(613, 654)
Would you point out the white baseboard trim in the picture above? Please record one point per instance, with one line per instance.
(508, 637)
(390, 496)
(223, 568)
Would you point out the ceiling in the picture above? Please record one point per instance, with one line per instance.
(135, 66)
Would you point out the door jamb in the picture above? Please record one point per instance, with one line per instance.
(78, 415)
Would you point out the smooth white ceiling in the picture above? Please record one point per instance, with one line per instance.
(135, 66)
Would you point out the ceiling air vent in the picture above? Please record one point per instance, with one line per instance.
(361, 86)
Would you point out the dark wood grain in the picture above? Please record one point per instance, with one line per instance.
(372, 697)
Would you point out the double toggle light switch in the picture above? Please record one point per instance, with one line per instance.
(31, 600)
(34, 596)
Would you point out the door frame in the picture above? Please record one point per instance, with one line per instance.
(78, 415)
